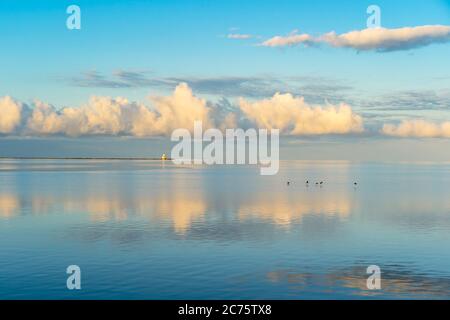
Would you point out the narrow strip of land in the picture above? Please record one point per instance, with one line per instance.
(81, 158)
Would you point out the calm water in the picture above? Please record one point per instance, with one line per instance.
(152, 230)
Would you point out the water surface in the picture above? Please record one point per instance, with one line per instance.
(154, 230)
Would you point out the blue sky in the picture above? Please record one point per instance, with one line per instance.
(187, 41)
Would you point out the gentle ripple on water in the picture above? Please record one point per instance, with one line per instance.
(152, 230)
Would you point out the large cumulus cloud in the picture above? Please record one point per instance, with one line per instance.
(418, 129)
(293, 116)
(119, 116)
(10, 114)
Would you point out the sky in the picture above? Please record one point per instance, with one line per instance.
(136, 70)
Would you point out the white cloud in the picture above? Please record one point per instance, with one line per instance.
(382, 39)
(292, 115)
(102, 115)
(177, 111)
(10, 114)
(418, 129)
(376, 39)
(118, 116)
(292, 39)
(239, 36)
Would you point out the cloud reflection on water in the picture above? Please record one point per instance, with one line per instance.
(397, 281)
(244, 225)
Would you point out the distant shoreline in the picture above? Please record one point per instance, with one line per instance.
(82, 158)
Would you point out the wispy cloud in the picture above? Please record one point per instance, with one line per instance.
(240, 36)
(119, 79)
(411, 100)
(314, 89)
(292, 39)
(234, 33)
(374, 39)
